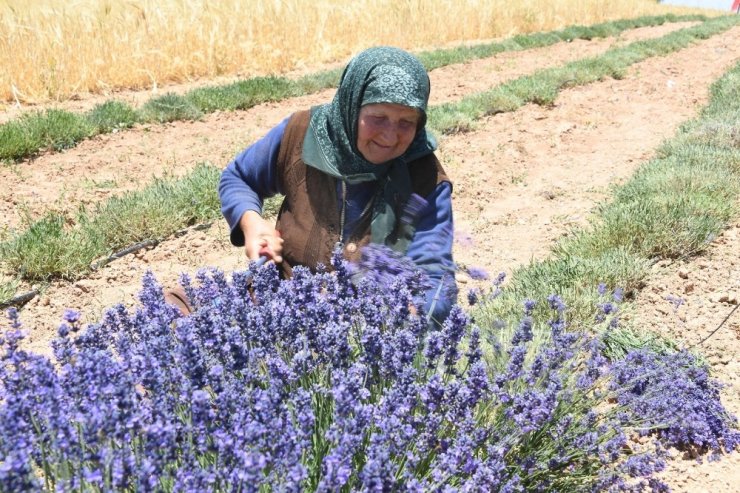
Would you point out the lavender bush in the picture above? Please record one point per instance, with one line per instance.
(318, 383)
(677, 399)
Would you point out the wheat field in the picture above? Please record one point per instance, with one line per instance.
(53, 50)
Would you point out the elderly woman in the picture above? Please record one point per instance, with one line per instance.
(347, 170)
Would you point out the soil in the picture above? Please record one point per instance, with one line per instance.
(522, 180)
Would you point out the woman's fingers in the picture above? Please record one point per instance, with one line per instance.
(275, 246)
(271, 246)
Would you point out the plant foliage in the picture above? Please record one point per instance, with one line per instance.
(328, 382)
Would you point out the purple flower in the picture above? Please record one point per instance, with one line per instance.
(556, 303)
(477, 382)
(529, 305)
(434, 347)
(531, 408)
(618, 295)
(453, 330)
(595, 366)
(607, 308)
(523, 333)
(474, 353)
(643, 465)
(71, 316)
(676, 301)
(477, 273)
(473, 296)
(674, 395)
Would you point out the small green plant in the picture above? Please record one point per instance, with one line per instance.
(112, 115)
(48, 249)
(271, 206)
(8, 289)
(91, 184)
(50, 129)
(309, 84)
(16, 141)
(58, 129)
(169, 108)
(619, 342)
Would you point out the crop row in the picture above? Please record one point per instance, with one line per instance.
(325, 383)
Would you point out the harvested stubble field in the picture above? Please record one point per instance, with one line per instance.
(522, 180)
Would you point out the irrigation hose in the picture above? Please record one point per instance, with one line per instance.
(22, 299)
(716, 329)
(121, 253)
(145, 244)
(19, 300)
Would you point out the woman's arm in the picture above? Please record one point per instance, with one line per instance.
(431, 249)
(245, 183)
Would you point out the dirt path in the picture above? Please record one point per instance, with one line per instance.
(521, 181)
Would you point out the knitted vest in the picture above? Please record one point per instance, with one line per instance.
(309, 218)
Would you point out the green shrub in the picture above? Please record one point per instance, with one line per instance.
(112, 115)
(169, 108)
(48, 249)
(15, 141)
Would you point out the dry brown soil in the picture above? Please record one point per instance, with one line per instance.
(522, 180)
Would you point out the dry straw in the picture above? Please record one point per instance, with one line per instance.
(54, 49)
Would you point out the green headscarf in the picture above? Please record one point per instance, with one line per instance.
(376, 75)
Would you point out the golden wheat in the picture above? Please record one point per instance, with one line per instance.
(54, 49)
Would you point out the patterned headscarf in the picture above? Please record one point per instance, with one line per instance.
(376, 75)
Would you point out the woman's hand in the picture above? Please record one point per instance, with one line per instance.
(260, 238)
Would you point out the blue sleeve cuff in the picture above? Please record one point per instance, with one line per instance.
(440, 298)
(431, 250)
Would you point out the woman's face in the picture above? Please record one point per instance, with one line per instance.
(385, 131)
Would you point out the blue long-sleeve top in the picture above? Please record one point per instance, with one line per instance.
(252, 177)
